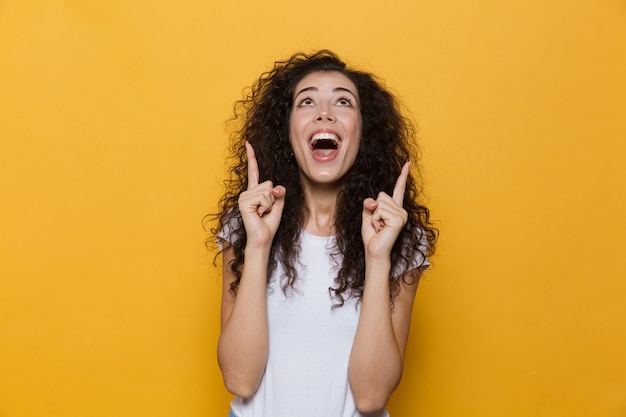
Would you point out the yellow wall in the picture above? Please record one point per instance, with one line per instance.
(112, 147)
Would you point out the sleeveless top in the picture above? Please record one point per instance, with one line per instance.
(309, 342)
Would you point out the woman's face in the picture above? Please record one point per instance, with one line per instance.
(325, 127)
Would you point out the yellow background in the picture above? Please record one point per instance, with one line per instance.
(112, 150)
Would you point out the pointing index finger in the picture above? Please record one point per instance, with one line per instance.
(398, 190)
(253, 168)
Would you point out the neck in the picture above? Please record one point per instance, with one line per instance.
(319, 215)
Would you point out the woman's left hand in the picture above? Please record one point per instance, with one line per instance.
(383, 219)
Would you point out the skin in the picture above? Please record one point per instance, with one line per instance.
(325, 102)
(377, 355)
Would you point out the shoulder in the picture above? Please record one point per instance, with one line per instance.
(230, 230)
(412, 256)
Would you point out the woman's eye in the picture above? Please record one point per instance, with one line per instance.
(305, 102)
(344, 102)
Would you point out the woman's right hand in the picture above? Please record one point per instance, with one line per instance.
(261, 205)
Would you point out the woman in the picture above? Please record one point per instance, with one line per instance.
(323, 243)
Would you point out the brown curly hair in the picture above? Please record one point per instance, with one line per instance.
(387, 142)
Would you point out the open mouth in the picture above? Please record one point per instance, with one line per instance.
(324, 143)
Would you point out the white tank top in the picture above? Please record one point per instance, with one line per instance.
(309, 343)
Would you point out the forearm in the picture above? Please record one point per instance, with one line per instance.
(376, 360)
(243, 342)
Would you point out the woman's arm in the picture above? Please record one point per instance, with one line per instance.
(243, 344)
(377, 355)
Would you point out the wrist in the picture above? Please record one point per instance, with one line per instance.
(253, 250)
(378, 265)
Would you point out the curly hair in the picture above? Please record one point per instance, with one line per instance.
(388, 140)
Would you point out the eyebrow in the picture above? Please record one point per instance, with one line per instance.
(305, 89)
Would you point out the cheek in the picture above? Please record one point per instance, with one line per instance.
(356, 124)
(296, 147)
(295, 128)
(291, 143)
(292, 135)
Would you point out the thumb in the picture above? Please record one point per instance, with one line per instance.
(279, 193)
(369, 205)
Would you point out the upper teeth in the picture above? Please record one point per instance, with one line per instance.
(326, 135)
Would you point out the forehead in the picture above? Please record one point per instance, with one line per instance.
(326, 81)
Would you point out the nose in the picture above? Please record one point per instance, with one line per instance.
(325, 115)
